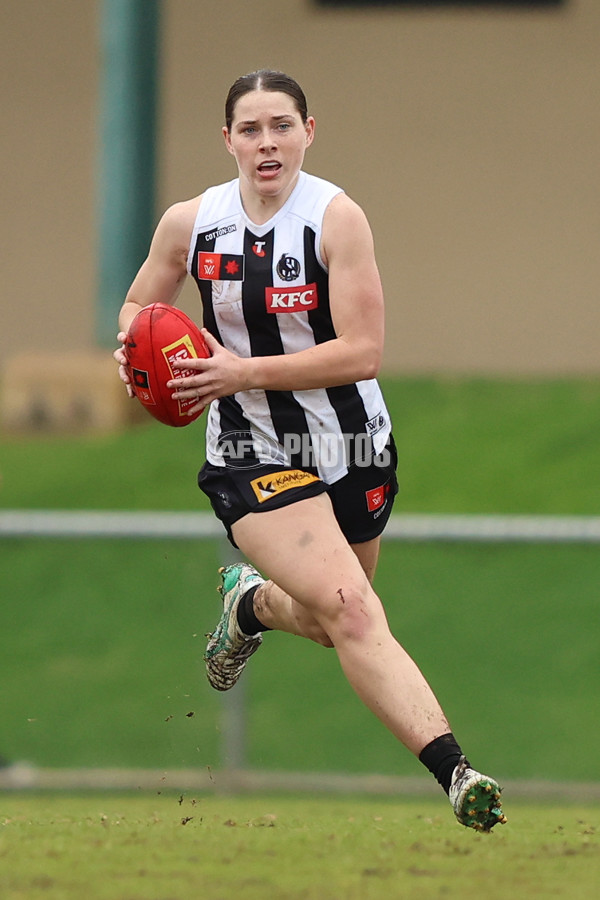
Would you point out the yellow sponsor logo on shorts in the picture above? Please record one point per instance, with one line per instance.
(270, 485)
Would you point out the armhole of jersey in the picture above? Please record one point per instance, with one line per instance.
(319, 236)
(194, 236)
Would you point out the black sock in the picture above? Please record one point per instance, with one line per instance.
(441, 757)
(246, 617)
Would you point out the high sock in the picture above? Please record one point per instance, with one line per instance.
(441, 757)
(246, 616)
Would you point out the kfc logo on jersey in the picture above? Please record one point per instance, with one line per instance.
(221, 266)
(285, 300)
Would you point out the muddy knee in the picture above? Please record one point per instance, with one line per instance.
(270, 604)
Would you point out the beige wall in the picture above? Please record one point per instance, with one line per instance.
(48, 86)
(470, 137)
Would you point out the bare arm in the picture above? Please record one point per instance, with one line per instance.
(356, 300)
(162, 275)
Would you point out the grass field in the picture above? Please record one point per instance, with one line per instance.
(464, 446)
(104, 673)
(166, 847)
(100, 641)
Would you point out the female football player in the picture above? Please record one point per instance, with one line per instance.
(300, 455)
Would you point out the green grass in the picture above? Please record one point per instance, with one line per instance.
(102, 651)
(101, 648)
(101, 641)
(502, 633)
(161, 847)
(498, 446)
(464, 446)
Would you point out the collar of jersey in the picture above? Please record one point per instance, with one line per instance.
(260, 230)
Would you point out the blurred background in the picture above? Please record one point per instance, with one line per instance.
(469, 132)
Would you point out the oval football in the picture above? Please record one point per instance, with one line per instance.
(159, 335)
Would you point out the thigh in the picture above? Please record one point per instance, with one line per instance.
(368, 556)
(302, 549)
(236, 491)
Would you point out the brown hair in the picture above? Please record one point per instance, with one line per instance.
(264, 80)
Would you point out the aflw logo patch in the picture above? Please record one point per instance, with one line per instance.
(300, 298)
(221, 266)
(270, 485)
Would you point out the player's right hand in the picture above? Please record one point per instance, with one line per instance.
(120, 356)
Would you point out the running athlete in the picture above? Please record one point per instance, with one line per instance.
(301, 461)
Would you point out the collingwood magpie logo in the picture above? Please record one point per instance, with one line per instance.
(288, 268)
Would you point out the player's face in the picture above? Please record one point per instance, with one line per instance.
(268, 140)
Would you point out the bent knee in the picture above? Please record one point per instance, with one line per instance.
(308, 626)
(319, 636)
(277, 610)
(354, 613)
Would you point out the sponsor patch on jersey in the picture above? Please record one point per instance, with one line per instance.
(376, 497)
(286, 300)
(221, 266)
(142, 386)
(213, 235)
(277, 482)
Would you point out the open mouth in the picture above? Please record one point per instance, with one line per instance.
(270, 167)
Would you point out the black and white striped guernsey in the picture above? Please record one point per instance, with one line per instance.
(265, 292)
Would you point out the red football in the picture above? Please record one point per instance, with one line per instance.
(159, 335)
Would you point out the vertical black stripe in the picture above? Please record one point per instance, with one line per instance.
(263, 330)
(319, 318)
(345, 399)
(204, 286)
(231, 418)
(265, 339)
(233, 426)
(352, 416)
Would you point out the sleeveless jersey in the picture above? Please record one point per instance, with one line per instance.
(264, 291)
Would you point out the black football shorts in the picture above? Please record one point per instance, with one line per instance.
(362, 500)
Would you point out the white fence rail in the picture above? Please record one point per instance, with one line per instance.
(181, 525)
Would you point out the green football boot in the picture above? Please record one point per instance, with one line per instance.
(228, 648)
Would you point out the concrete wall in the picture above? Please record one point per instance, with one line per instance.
(470, 137)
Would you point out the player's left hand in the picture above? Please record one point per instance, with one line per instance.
(221, 375)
